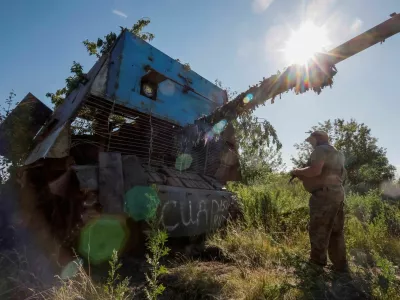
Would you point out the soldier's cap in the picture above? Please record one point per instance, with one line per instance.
(319, 135)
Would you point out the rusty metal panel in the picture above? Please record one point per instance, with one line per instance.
(156, 178)
(190, 180)
(188, 212)
(43, 148)
(111, 182)
(174, 181)
(213, 182)
(62, 144)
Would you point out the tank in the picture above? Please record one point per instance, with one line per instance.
(117, 146)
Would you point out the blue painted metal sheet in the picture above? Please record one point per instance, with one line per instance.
(128, 68)
(117, 76)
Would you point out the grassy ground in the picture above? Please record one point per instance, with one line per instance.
(265, 256)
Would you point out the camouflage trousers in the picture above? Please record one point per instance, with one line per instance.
(326, 228)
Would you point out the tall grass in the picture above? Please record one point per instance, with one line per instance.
(81, 286)
(266, 254)
(274, 235)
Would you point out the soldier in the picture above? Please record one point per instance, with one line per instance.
(323, 178)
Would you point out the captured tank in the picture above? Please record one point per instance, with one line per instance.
(115, 148)
(146, 136)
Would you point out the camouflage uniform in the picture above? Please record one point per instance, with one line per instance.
(326, 208)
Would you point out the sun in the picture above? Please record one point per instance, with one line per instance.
(305, 42)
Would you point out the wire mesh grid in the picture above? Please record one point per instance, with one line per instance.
(157, 142)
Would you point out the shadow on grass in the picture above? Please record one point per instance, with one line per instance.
(321, 283)
(192, 283)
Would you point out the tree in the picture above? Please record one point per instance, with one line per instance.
(366, 163)
(8, 164)
(259, 148)
(258, 143)
(98, 48)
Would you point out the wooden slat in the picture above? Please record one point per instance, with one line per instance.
(134, 173)
(111, 182)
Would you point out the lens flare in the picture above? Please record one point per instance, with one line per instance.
(167, 87)
(71, 269)
(305, 42)
(101, 236)
(248, 98)
(208, 136)
(219, 127)
(183, 162)
(390, 190)
(141, 202)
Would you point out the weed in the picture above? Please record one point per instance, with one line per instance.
(247, 247)
(114, 287)
(156, 245)
(81, 286)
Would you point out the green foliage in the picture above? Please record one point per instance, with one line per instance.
(274, 234)
(259, 148)
(366, 163)
(275, 291)
(81, 286)
(9, 102)
(263, 203)
(72, 82)
(102, 46)
(247, 246)
(385, 285)
(156, 245)
(97, 48)
(258, 143)
(372, 225)
(4, 112)
(114, 287)
(15, 135)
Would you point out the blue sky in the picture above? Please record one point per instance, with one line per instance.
(236, 41)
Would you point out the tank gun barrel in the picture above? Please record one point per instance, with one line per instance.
(316, 74)
(377, 34)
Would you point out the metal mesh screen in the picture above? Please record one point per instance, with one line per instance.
(116, 128)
